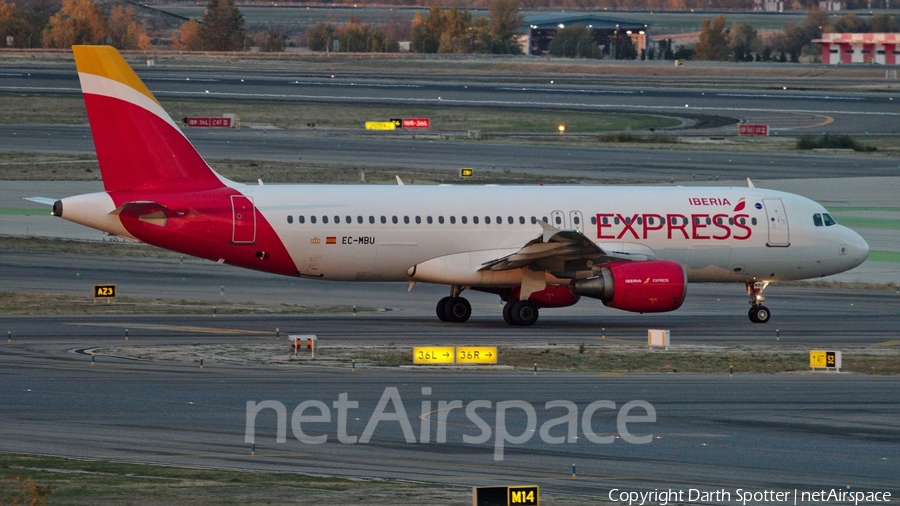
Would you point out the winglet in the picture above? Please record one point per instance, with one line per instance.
(549, 230)
(750, 183)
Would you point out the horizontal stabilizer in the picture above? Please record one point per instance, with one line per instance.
(47, 201)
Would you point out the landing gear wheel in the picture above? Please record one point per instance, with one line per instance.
(440, 309)
(524, 313)
(759, 314)
(457, 310)
(507, 312)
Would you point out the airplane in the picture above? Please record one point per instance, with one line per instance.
(536, 247)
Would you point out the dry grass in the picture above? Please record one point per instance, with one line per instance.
(25, 303)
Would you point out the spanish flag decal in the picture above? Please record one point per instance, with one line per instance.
(331, 240)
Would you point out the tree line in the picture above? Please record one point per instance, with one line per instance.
(741, 42)
(75, 22)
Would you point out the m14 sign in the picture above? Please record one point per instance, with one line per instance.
(208, 122)
(416, 123)
(748, 130)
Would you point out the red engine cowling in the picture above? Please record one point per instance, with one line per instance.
(552, 296)
(654, 286)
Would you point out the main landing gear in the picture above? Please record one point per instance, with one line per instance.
(454, 308)
(520, 312)
(758, 313)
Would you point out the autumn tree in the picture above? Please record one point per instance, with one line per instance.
(743, 41)
(78, 22)
(505, 21)
(13, 23)
(882, 23)
(272, 41)
(222, 28)
(124, 31)
(188, 37)
(318, 38)
(456, 32)
(425, 36)
(713, 43)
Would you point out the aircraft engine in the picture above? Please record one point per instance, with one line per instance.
(654, 286)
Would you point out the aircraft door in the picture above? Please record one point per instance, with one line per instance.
(243, 220)
(779, 234)
(576, 221)
(558, 219)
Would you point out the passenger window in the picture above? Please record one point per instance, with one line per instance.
(829, 221)
(544, 219)
(650, 221)
(510, 220)
(558, 220)
(371, 219)
(593, 220)
(337, 219)
(301, 219)
(708, 221)
(383, 219)
(753, 221)
(499, 220)
(576, 220)
(394, 220)
(428, 219)
(475, 220)
(453, 220)
(533, 220)
(441, 220)
(290, 219)
(324, 219)
(464, 220)
(487, 220)
(418, 220)
(349, 219)
(521, 220)
(359, 219)
(406, 220)
(312, 219)
(616, 220)
(606, 220)
(731, 221)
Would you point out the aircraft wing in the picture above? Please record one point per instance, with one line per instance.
(559, 250)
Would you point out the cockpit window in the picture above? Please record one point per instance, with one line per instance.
(829, 221)
(817, 220)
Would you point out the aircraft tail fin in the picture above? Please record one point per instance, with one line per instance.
(137, 143)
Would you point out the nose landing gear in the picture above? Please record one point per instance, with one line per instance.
(758, 313)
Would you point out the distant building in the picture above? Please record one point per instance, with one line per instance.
(880, 48)
(540, 31)
(831, 5)
(768, 5)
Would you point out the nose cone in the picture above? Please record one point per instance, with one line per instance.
(857, 248)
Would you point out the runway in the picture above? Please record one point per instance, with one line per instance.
(588, 164)
(787, 110)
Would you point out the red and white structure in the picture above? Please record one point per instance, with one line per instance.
(880, 48)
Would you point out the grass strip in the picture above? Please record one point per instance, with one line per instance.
(60, 481)
(600, 359)
(45, 303)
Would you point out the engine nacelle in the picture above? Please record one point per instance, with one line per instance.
(654, 286)
(552, 296)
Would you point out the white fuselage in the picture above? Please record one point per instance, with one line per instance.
(773, 236)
